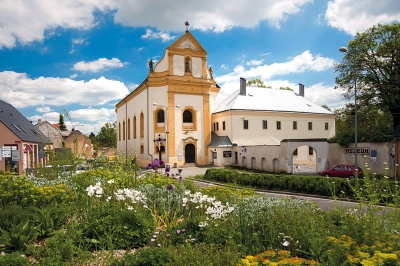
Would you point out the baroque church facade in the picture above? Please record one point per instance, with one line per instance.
(175, 115)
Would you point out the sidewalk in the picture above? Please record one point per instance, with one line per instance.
(193, 170)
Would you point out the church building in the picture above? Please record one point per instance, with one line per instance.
(175, 115)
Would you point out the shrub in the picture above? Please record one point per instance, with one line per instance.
(146, 257)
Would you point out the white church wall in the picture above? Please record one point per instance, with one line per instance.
(196, 67)
(178, 65)
(162, 65)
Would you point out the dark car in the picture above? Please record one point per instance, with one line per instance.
(343, 170)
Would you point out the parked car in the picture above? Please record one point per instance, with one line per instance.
(343, 170)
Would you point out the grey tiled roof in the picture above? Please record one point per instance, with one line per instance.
(19, 125)
(219, 140)
(272, 100)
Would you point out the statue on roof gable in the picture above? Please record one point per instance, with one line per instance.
(151, 64)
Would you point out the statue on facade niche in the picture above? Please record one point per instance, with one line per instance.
(187, 65)
(151, 64)
(210, 69)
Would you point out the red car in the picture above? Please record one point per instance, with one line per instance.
(343, 170)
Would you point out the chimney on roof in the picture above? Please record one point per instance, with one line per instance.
(242, 86)
(301, 89)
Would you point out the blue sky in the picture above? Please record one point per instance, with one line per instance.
(83, 56)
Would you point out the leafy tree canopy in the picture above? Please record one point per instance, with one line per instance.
(374, 125)
(373, 57)
(256, 83)
(107, 136)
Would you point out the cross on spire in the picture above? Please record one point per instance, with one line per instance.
(187, 25)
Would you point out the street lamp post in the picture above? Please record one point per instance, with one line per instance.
(166, 127)
(344, 50)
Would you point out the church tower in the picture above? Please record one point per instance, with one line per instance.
(168, 115)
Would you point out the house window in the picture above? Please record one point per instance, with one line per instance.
(294, 124)
(295, 152)
(141, 149)
(214, 126)
(245, 124)
(309, 125)
(187, 117)
(326, 126)
(310, 151)
(264, 124)
(278, 125)
(160, 116)
(217, 126)
(223, 125)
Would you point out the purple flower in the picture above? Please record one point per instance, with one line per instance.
(158, 245)
(178, 231)
(161, 162)
(180, 170)
(167, 174)
(170, 187)
(183, 230)
(152, 240)
(149, 165)
(173, 175)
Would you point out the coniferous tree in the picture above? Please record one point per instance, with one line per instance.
(61, 123)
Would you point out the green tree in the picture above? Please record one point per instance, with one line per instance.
(107, 136)
(326, 107)
(286, 88)
(61, 123)
(374, 125)
(256, 83)
(373, 57)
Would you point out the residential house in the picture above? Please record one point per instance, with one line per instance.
(22, 144)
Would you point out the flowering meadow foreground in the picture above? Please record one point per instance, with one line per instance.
(110, 216)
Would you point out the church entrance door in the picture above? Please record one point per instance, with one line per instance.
(190, 153)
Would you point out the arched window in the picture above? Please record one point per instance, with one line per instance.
(134, 127)
(141, 125)
(129, 128)
(123, 132)
(187, 117)
(119, 131)
(160, 116)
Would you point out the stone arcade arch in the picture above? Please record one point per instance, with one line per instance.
(264, 164)
(253, 163)
(320, 147)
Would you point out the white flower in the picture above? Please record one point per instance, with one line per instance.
(202, 224)
(285, 244)
(111, 181)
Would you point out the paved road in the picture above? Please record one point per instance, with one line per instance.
(324, 203)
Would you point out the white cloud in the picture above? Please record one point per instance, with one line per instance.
(157, 35)
(255, 62)
(28, 21)
(22, 91)
(300, 63)
(45, 109)
(305, 62)
(357, 16)
(73, 76)
(98, 65)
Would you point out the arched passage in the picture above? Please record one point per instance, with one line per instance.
(263, 164)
